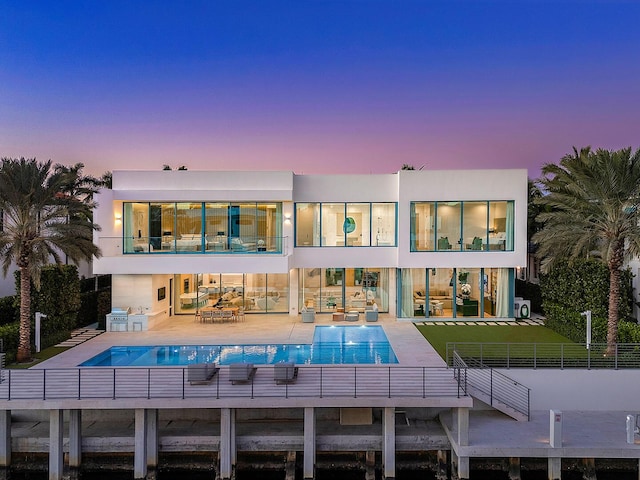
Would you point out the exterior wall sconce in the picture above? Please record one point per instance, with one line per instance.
(287, 219)
(118, 217)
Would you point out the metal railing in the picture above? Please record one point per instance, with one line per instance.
(547, 355)
(153, 383)
(118, 246)
(498, 389)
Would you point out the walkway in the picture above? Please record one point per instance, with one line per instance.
(79, 336)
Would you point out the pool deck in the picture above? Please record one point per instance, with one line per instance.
(410, 347)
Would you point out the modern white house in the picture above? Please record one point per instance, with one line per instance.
(413, 244)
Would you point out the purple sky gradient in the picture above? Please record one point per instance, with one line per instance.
(317, 86)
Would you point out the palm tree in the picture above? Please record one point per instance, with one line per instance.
(42, 220)
(592, 200)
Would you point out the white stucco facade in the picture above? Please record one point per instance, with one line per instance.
(140, 274)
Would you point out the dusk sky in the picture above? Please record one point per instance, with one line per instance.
(317, 86)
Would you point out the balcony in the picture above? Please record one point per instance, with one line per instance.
(193, 244)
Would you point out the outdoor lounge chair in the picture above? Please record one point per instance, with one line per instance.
(201, 373)
(241, 372)
(285, 372)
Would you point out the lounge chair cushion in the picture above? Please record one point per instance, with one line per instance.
(241, 372)
(285, 372)
(199, 373)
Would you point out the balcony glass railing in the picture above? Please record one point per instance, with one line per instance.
(221, 245)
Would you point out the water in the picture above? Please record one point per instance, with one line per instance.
(329, 474)
(331, 345)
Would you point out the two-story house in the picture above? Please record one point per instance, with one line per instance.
(417, 244)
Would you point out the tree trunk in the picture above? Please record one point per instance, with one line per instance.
(614, 301)
(24, 344)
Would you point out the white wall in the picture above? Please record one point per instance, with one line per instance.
(178, 185)
(573, 389)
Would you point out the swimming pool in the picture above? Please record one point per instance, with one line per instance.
(363, 344)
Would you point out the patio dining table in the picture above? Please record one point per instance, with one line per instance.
(213, 314)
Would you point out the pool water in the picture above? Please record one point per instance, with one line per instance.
(331, 345)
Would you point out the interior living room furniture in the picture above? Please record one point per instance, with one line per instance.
(239, 245)
(436, 307)
(443, 243)
(476, 244)
(308, 315)
(371, 314)
(467, 307)
(352, 316)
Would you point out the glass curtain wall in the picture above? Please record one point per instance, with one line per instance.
(455, 292)
(255, 292)
(383, 223)
(467, 226)
(474, 225)
(357, 225)
(198, 227)
(423, 226)
(345, 224)
(327, 289)
(308, 224)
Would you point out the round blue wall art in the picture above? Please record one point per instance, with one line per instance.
(349, 225)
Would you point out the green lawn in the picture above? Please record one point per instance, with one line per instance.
(41, 356)
(439, 335)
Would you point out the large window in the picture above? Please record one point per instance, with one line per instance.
(462, 226)
(328, 289)
(345, 224)
(455, 292)
(202, 227)
(255, 292)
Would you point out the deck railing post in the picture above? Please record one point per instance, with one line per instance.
(389, 380)
(562, 356)
(114, 384)
(355, 382)
(183, 372)
(44, 384)
(616, 359)
(148, 383)
(491, 385)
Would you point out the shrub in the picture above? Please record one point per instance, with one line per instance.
(10, 334)
(574, 287)
(9, 310)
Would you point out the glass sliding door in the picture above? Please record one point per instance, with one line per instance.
(441, 301)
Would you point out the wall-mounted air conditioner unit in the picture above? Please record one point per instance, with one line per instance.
(522, 308)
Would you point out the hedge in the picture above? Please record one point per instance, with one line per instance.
(574, 287)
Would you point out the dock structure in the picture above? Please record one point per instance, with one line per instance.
(376, 416)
